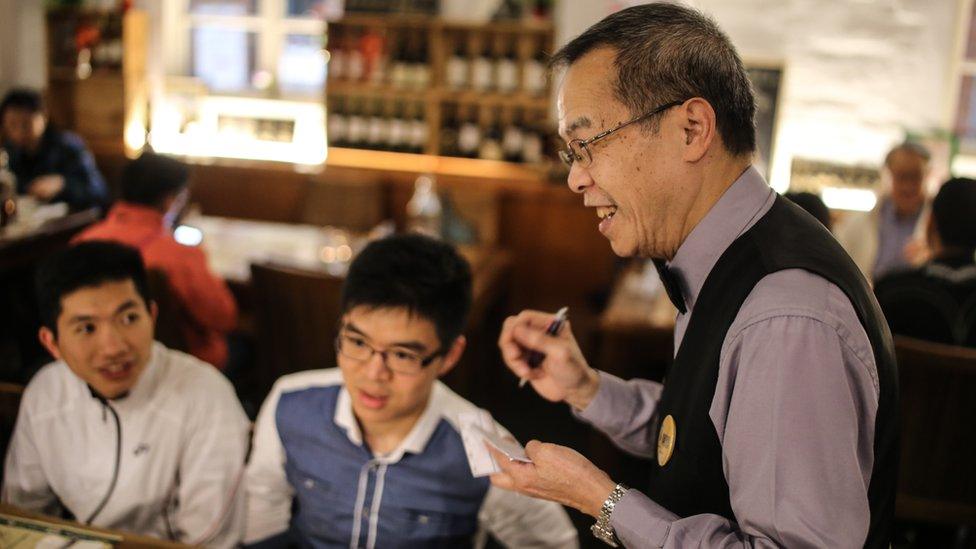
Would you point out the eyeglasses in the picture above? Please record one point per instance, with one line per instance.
(578, 149)
(400, 361)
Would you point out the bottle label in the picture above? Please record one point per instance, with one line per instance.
(469, 137)
(506, 75)
(481, 74)
(457, 73)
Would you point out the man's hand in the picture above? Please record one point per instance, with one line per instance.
(46, 187)
(557, 473)
(564, 374)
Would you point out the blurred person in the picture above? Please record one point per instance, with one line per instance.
(776, 425)
(51, 165)
(948, 279)
(813, 205)
(889, 237)
(370, 454)
(120, 431)
(154, 192)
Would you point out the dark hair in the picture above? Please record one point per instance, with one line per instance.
(415, 272)
(666, 52)
(86, 265)
(149, 179)
(813, 206)
(954, 212)
(912, 147)
(21, 98)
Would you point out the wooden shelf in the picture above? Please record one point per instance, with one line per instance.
(438, 165)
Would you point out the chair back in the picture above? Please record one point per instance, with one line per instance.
(171, 320)
(296, 319)
(937, 385)
(925, 311)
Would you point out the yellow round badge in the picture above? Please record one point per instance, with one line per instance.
(665, 440)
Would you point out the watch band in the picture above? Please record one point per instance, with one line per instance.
(602, 529)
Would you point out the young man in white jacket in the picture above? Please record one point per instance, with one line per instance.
(120, 431)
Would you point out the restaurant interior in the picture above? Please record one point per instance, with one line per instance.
(313, 127)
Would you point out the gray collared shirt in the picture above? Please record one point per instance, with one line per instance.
(794, 405)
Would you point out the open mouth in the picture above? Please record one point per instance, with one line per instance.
(117, 371)
(371, 400)
(606, 212)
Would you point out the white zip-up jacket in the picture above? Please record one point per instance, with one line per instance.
(183, 445)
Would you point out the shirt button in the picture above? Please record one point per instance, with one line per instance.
(309, 483)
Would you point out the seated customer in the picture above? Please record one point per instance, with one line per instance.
(50, 164)
(154, 190)
(122, 432)
(369, 454)
(937, 302)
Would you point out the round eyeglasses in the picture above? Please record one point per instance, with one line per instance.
(577, 151)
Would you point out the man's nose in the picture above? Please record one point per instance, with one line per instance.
(375, 367)
(579, 178)
(111, 342)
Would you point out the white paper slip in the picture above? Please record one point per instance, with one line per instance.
(512, 449)
(479, 459)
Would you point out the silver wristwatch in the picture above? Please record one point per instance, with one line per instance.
(602, 529)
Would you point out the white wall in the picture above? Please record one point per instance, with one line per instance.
(859, 72)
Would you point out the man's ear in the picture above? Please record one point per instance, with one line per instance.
(453, 356)
(49, 341)
(153, 311)
(698, 123)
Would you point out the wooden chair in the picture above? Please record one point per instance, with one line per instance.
(171, 320)
(10, 394)
(296, 320)
(937, 384)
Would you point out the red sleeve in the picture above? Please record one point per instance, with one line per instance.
(205, 297)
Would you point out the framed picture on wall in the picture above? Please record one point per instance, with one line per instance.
(767, 82)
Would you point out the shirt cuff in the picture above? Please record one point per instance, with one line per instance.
(639, 522)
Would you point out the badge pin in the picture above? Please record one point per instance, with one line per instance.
(665, 440)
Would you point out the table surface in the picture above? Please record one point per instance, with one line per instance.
(129, 541)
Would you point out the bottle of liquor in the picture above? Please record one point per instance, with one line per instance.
(456, 71)
(338, 58)
(420, 67)
(449, 132)
(377, 129)
(481, 71)
(399, 129)
(469, 135)
(531, 144)
(8, 191)
(358, 123)
(355, 62)
(338, 128)
(491, 144)
(418, 130)
(424, 208)
(506, 67)
(400, 65)
(513, 137)
(535, 76)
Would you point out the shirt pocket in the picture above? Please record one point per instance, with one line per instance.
(423, 528)
(323, 515)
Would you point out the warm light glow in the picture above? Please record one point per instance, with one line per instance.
(203, 137)
(861, 200)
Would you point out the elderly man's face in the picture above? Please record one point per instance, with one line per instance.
(908, 172)
(634, 180)
(23, 128)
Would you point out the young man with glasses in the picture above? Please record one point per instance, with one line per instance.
(369, 454)
(777, 423)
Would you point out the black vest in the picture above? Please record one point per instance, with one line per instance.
(692, 482)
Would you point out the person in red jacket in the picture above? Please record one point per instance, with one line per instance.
(154, 189)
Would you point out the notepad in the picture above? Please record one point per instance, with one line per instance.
(477, 429)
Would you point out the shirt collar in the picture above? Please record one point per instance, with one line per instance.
(129, 212)
(738, 208)
(415, 441)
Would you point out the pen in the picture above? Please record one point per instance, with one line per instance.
(535, 357)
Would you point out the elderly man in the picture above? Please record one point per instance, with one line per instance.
(887, 239)
(50, 164)
(776, 425)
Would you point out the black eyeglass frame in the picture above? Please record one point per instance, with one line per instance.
(570, 157)
(424, 361)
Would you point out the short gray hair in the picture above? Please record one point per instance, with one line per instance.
(912, 147)
(667, 52)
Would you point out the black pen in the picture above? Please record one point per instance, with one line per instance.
(535, 358)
